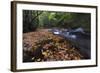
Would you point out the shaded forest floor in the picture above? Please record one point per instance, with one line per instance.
(42, 45)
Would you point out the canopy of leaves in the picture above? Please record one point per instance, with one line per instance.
(49, 19)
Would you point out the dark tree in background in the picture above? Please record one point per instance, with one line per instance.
(28, 23)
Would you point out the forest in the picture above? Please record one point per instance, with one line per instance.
(46, 19)
(56, 36)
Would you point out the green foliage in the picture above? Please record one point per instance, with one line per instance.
(48, 19)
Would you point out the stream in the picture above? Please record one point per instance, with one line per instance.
(78, 38)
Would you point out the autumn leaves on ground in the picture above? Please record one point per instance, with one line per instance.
(42, 45)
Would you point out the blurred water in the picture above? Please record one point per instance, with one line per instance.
(79, 38)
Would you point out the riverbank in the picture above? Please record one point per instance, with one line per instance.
(43, 45)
